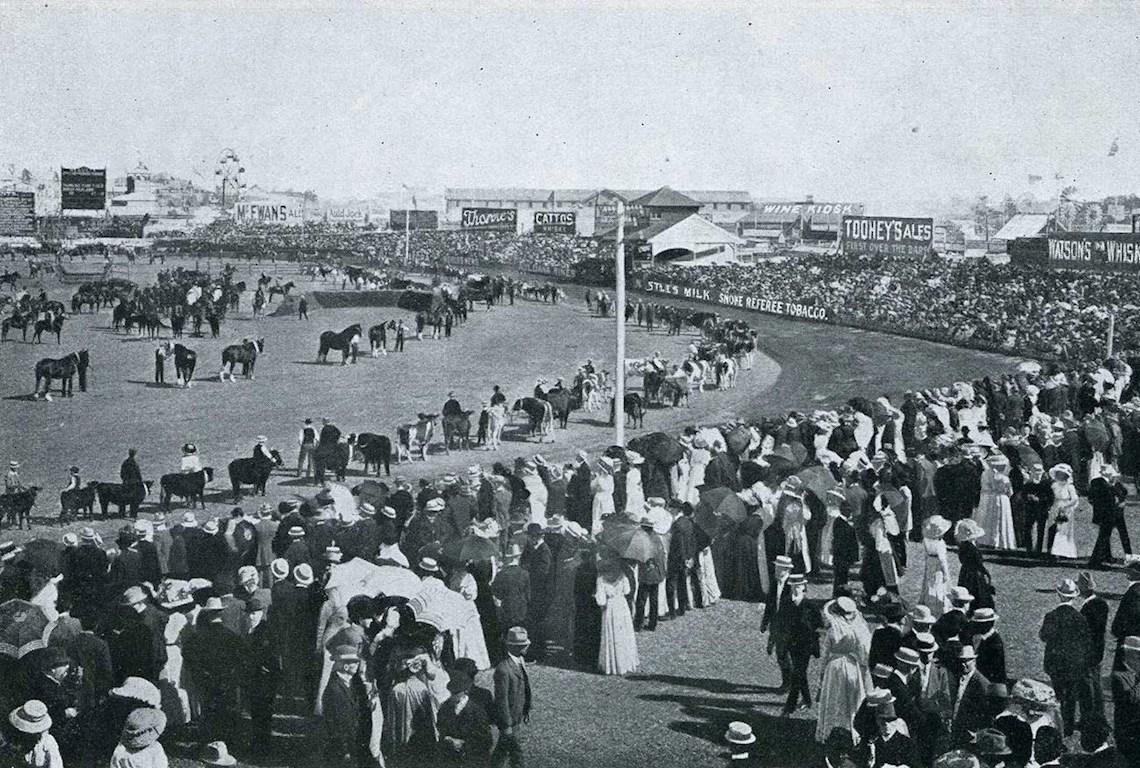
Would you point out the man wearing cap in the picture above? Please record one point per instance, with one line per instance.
(892, 743)
(512, 699)
(989, 645)
(346, 720)
(1126, 698)
(537, 559)
(511, 589)
(1106, 495)
(1068, 650)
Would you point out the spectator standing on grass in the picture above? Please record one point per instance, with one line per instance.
(160, 364)
(1068, 650)
(303, 308)
(1106, 495)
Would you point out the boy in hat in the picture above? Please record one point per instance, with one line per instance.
(1068, 646)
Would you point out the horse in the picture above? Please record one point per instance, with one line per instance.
(10, 278)
(64, 369)
(17, 320)
(345, 341)
(253, 472)
(334, 456)
(374, 337)
(634, 409)
(147, 321)
(416, 435)
(245, 353)
(186, 485)
(122, 495)
(373, 450)
(78, 500)
(539, 413)
(185, 359)
(55, 325)
(457, 427)
(17, 506)
(562, 402)
(280, 289)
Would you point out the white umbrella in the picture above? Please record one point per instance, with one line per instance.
(360, 577)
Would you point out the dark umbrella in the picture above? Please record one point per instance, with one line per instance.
(717, 503)
(470, 548)
(626, 539)
(863, 405)
(782, 461)
(22, 626)
(44, 556)
(373, 492)
(752, 473)
(818, 480)
(659, 447)
(737, 439)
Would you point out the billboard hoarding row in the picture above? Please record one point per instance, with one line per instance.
(769, 305)
(887, 235)
(413, 218)
(490, 219)
(1094, 250)
(83, 189)
(17, 213)
(278, 213)
(555, 222)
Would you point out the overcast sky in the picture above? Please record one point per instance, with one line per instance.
(855, 101)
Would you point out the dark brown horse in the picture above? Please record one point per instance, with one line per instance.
(245, 353)
(55, 325)
(64, 369)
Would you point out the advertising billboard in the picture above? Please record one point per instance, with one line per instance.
(555, 222)
(492, 219)
(1094, 251)
(83, 189)
(887, 235)
(17, 213)
(276, 212)
(414, 219)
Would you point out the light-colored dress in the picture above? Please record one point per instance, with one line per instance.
(175, 699)
(45, 753)
(994, 513)
(151, 756)
(618, 652)
(634, 494)
(845, 679)
(710, 589)
(826, 536)
(698, 461)
(935, 577)
(468, 640)
(1063, 514)
(602, 486)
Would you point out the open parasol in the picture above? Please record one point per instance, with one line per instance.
(22, 626)
(717, 504)
(469, 548)
(441, 608)
(782, 461)
(752, 473)
(658, 447)
(373, 492)
(360, 577)
(818, 480)
(626, 539)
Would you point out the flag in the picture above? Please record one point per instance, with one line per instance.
(1112, 150)
(1033, 178)
(415, 205)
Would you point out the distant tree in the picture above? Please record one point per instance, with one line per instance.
(1009, 208)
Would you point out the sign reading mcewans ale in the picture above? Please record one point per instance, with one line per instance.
(888, 235)
(275, 212)
(555, 222)
(504, 219)
(763, 304)
(1095, 251)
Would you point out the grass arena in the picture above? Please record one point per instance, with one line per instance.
(693, 675)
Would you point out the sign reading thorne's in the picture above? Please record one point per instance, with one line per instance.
(555, 222)
(502, 219)
(765, 304)
(1100, 250)
(887, 235)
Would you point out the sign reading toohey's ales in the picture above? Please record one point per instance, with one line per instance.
(555, 222)
(499, 219)
(887, 235)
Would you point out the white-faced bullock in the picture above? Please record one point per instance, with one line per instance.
(415, 436)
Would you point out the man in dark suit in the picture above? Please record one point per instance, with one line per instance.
(579, 500)
(887, 639)
(130, 474)
(512, 700)
(955, 622)
(537, 559)
(1107, 495)
(1036, 497)
(1126, 622)
(844, 543)
(989, 645)
(346, 716)
(682, 562)
(1068, 648)
(973, 709)
(778, 597)
(136, 650)
(797, 623)
(1126, 696)
(89, 574)
(650, 575)
(511, 589)
(1095, 610)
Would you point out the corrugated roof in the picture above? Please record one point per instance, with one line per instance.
(1023, 225)
(666, 197)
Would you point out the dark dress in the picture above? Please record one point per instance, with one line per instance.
(974, 576)
(743, 576)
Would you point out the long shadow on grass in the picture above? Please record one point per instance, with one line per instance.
(153, 385)
(706, 684)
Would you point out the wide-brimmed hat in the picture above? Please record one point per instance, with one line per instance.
(216, 753)
(346, 653)
(968, 530)
(189, 520)
(213, 603)
(434, 505)
(959, 758)
(296, 531)
(607, 465)
(1067, 588)
(132, 596)
(88, 534)
(783, 561)
(13, 465)
(935, 527)
(388, 512)
(31, 717)
(303, 575)
(739, 733)
(211, 527)
(139, 689)
(796, 580)
(143, 727)
(1061, 469)
(517, 637)
(880, 697)
(921, 614)
(514, 551)
(960, 594)
(925, 642)
(991, 741)
(966, 652)
(845, 606)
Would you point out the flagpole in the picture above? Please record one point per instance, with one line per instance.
(619, 312)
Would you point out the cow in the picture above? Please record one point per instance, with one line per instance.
(253, 471)
(540, 415)
(373, 449)
(634, 409)
(17, 506)
(415, 435)
(457, 428)
(562, 402)
(190, 486)
(725, 368)
(122, 495)
(73, 502)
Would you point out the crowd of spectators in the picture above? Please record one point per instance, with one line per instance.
(1061, 315)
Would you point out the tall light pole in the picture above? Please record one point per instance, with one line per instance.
(619, 312)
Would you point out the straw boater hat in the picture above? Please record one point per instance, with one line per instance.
(740, 734)
(921, 614)
(189, 520)
(143, 727)
(132, 596)
(960, 595)
(216, 753)
(907, 656)
(984, 616)
(517, 637)
(926, 642)
(88, 535)
(303, 575)
(211, 527)
(388, 512)
(1067, 588)
(434, 505)
(31, 717)
(429, 565)
(279, 568)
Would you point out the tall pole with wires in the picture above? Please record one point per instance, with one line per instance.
(619, 313)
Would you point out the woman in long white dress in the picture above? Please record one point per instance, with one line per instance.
(845, 678)
(617, 654)
(1063, 512)
(634, 491)
(936, 567)
(602, 488)
(995, 513)
(468, 640)
(699, 459)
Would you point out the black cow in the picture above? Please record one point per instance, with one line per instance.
(122, 495)
(634, 409)
(190, 486)
(373, 450)
(17, 507)
(253, 472)
(562, 402)
(457, 428)
(71, 503)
